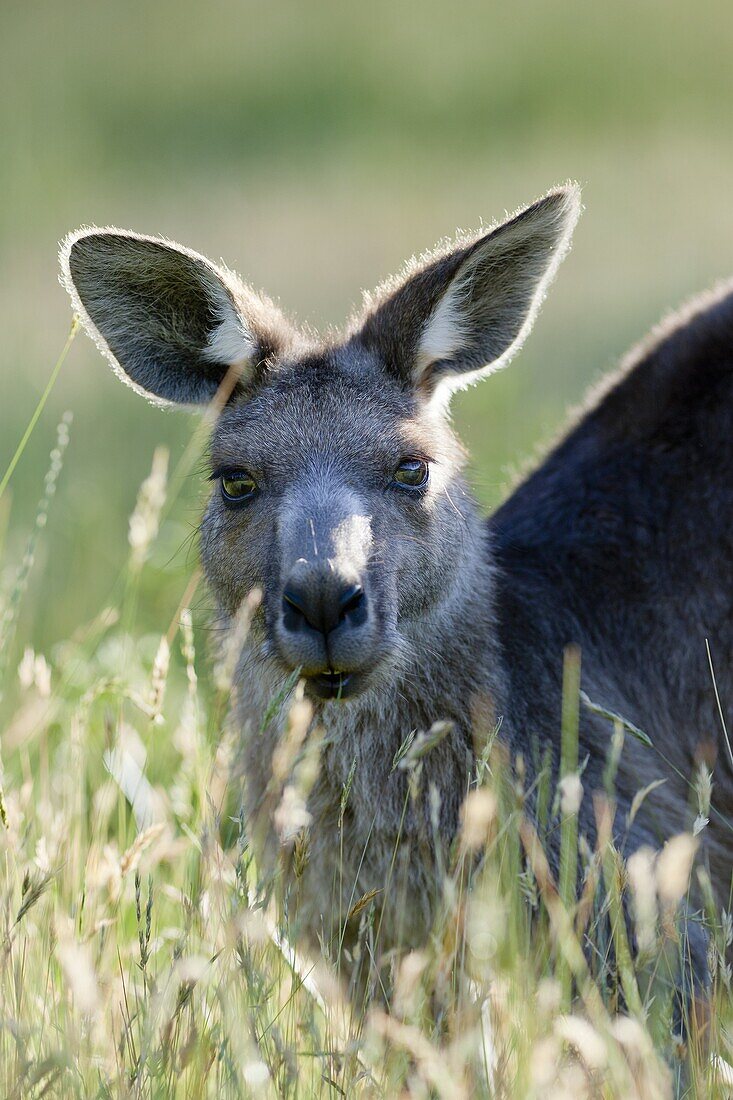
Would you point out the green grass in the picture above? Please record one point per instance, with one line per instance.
(141, 956)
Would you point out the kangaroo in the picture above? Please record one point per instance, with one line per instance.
(339, 494)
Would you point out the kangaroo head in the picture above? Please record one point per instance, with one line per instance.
(337, 487)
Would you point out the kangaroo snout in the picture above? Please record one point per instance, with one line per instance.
(326, 620)
(322, 603)
(326, 628)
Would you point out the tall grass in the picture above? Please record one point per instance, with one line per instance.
(142, 955)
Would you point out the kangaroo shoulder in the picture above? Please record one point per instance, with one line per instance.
(666, 415)
(682, 366)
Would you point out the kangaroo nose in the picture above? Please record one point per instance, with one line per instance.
(309, 604)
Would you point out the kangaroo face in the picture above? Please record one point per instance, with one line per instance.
(333, 494)
(336, 476)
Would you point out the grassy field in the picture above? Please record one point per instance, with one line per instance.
(314, 149)
(142, 958)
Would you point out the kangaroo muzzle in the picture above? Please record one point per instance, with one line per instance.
(326, 624)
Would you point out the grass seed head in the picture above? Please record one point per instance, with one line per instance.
(640, 870)
(291, 815)
(76, 962)
(571, 794)
(478, 815)
(145, 519)
(674, 865)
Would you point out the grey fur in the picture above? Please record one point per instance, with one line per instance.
(620, 543)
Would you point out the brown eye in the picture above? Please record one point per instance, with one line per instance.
(412, 473)
(237, 487)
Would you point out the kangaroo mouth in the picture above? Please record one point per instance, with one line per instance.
(332, 684)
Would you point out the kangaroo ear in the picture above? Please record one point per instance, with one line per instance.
(172, 324)
(462, 313)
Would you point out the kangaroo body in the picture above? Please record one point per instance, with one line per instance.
(341, 499)
(619, 543)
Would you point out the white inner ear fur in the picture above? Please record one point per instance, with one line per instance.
(449, 326)
(444, 333)
(229, 342)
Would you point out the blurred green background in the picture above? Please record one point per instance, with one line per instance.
(314, 146)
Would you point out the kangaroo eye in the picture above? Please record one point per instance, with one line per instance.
(237, 486)
(412, 473)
